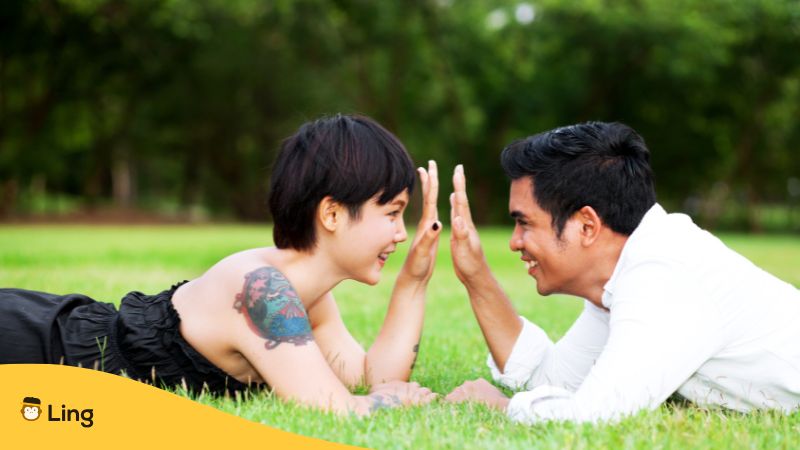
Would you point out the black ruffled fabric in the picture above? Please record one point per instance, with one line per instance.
(148, 335)
(30, 327)
(142, 340)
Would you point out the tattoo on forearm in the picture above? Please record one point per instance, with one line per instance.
(272, 308)
(381, 401)
(416, 353)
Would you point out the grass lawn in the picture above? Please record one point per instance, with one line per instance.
(106, 262)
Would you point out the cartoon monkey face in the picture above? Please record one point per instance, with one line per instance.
(30, 412)
(31, 408)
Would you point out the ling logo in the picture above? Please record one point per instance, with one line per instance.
(32, 410)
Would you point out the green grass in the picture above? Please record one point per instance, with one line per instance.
(107, 262)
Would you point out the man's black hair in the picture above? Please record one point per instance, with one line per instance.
(348, 157)
(602, 165)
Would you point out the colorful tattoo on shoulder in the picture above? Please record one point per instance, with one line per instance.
(272, 308)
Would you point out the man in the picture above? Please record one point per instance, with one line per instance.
(668, 307)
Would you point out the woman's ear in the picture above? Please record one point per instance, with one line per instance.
(330, 213)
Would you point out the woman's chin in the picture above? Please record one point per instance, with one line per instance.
(371, 278)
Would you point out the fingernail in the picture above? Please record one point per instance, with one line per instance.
(435, 226)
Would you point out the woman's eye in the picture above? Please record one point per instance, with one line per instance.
(395, 213)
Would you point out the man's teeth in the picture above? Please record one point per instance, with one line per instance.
(530, 264)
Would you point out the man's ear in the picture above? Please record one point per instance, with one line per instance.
(330, 213)
(590, 225)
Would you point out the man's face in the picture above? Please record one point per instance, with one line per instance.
(553, 262)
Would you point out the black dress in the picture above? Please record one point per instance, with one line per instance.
(142, 340)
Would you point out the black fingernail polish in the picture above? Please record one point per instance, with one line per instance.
(435, 226)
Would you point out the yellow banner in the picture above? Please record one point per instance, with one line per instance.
(59, 407)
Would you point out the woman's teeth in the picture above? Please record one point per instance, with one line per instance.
(531, 264)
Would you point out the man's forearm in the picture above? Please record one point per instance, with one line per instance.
(496, 315)
(394, 352)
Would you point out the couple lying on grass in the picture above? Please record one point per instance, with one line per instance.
(668, 308)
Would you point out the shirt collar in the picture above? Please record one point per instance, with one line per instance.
(655, 214)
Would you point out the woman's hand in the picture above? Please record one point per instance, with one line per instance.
(422, 254)
(394, 352)
(399, 393)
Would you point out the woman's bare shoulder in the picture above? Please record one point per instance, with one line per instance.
(207, 305)
(243, 304)
(224, 279)
(234, 268)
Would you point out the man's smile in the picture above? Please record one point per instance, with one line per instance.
(530, 263)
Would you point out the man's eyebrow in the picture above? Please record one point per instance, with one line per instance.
(517, 214)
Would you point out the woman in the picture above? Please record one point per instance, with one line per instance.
(339, 188)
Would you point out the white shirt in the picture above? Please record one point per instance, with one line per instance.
(686, 314)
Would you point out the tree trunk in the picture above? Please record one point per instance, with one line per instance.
(122, 177)
(8, 197)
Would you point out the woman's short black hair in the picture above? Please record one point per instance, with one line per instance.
(348, 157)
(602, 165)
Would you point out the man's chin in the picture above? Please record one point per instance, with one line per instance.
(543, 290)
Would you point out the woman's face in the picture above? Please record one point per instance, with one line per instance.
(367, 242)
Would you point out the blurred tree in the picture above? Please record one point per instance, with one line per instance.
(181, 104)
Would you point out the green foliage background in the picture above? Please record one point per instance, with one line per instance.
(178, 106)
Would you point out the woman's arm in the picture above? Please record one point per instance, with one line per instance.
(344, 354)
(394, 351)
(347, 358)
(272, 331)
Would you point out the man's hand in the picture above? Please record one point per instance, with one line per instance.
(399, 393)
(422, 254)
(481, 391)
(465, 245)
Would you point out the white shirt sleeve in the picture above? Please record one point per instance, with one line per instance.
(536, 361)
(661, 332)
